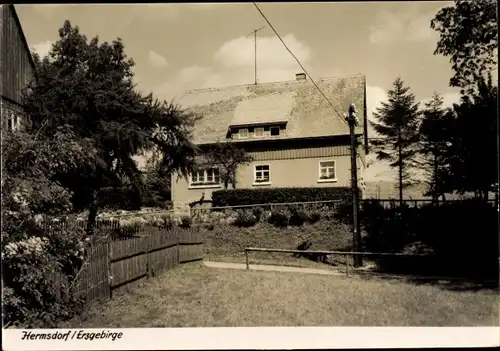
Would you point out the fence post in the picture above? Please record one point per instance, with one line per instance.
(246, 258)
(347, 265)
(148, 258)
(110, 270)
(178, 247)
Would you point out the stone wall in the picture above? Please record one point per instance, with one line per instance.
(10, 109)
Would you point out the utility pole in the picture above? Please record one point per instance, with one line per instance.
(353, 121)
(254, 32)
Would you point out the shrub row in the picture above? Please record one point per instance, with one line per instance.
(239, 197)
(293, 217)
(282, 217)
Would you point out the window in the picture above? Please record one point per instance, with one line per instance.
(203, 177)
(262, 174)
(327, 171)
(12, 122)
(243, 133)
(275, 131)
(258, 132)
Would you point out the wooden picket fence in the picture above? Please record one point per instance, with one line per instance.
(118, 266)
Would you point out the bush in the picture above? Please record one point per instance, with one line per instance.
(168, 221)
(298, 217)
(257, 212)
(209, 226)
(238, 197)
(418, 248)
(245, 218)
(343, 212)
(314, 216)
(462, 236)
(279, 218)
(29, 263)
(186, 222)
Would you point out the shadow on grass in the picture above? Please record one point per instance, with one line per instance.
(472, 286)
(462, 285)
(427, 276)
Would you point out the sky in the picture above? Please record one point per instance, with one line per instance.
(177, 47)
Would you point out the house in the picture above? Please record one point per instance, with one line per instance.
(293, 134)
(16, 68)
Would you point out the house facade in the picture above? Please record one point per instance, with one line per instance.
(295, 137)
(16, 68)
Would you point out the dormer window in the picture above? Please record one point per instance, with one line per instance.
(243, 133)
(275, 131)
(258, 132)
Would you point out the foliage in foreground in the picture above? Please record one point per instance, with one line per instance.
(30, 267)
(33, 248)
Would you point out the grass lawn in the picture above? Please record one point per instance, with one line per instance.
(226, 243)
(208, 297)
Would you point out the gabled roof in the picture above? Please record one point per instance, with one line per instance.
(298, 103)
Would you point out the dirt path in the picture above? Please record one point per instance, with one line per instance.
(262, 267)
(333, 271)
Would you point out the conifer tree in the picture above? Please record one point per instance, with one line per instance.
(436, 140)
(397, 122)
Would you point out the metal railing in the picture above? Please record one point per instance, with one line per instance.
(394, 203)
(268, 205)
(326, 252)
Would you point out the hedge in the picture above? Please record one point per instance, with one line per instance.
(239, 197)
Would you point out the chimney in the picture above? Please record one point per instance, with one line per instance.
(300, 76)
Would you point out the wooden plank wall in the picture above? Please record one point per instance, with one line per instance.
(16, 66)
(303, 152)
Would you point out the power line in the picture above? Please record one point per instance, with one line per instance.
(296, 59)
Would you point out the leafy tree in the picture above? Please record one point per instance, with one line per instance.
(475, 165)
(398, 122)
(228, 158)
(469, 35)
(87, 88)
(436, 134)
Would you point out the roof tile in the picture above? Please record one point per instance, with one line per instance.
(298, 102)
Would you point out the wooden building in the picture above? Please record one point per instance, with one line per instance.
(16, 68)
